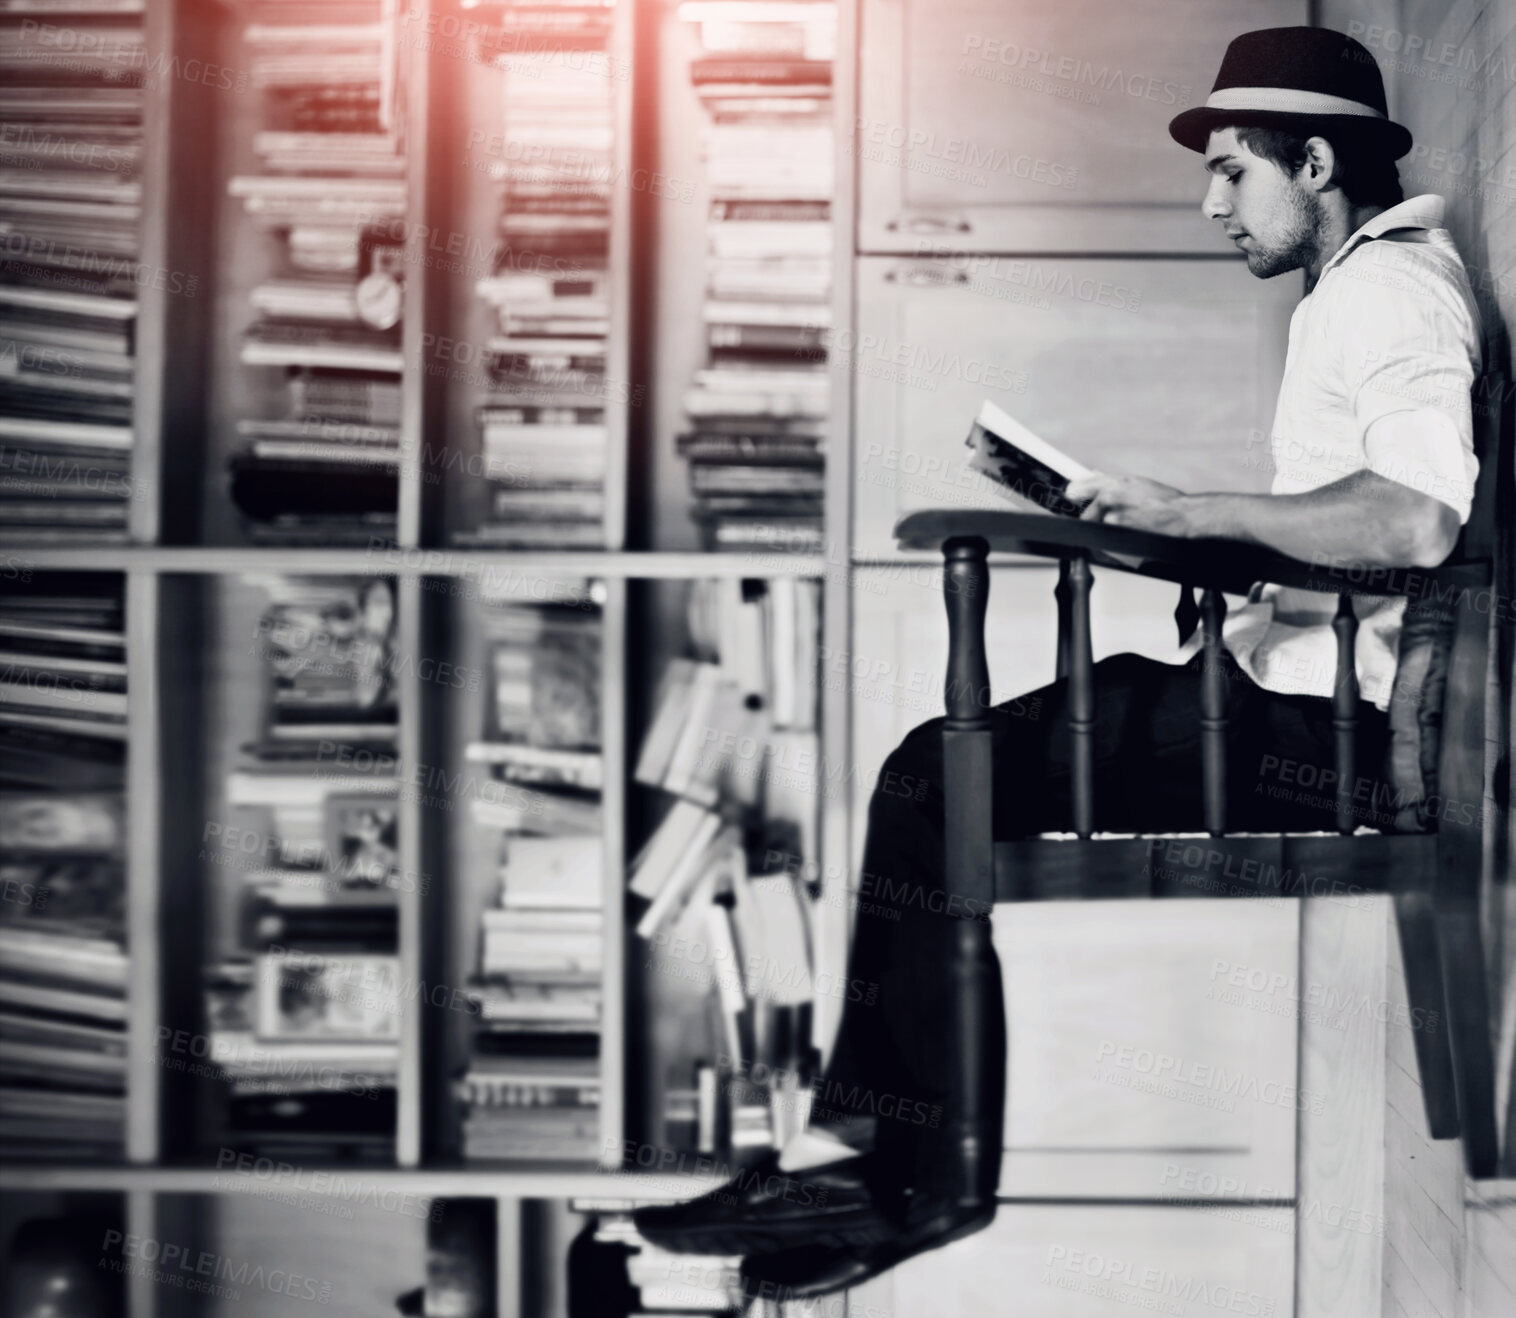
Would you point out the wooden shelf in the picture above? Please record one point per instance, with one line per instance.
(418, 562)
(523, 1181)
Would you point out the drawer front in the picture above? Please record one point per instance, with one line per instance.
(1024, 126)
(1078, 1261)
(1152, 1049)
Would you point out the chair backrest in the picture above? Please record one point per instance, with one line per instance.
(1437, 704)
(1477, 723)
(1487, 531)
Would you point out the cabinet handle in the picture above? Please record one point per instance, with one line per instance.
(929, 224)
(924, 276)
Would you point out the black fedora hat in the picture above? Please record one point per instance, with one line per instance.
(1309, 79)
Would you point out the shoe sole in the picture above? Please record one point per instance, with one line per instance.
(803, 1291)
(745, 1241)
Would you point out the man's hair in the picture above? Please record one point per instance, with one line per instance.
(1366, 175)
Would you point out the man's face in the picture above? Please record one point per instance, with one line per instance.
(1270, 215)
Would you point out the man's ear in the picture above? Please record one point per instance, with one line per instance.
(1320, 162)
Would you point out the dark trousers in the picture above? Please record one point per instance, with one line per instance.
(890, 1079)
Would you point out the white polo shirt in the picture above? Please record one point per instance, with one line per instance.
(1382, 357)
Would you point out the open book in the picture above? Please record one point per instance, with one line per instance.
(1020, 463)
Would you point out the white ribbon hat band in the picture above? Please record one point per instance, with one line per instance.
(1287, 100)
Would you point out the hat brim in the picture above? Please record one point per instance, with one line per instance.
(1193, 127)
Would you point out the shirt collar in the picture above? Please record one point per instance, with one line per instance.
(1423, 212)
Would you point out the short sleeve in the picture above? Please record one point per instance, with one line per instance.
(1427, 450)
(1411, 347)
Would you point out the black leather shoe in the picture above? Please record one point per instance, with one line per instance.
(848, 1205)
(808, 1271)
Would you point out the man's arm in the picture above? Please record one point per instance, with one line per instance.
(1363, 518)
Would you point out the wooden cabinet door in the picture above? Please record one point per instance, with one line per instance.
(1022, 125)
(1167, 369)
(1152, 1048)
(1083, 1261)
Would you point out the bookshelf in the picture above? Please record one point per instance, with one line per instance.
(191, 607)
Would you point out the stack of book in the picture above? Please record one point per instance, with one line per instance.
(63, 965)
(327, 652)
(754, 677)
(733, 740)
(63, 698)
(543, 727)
(661, 1283)
(544, 1105)
(332, 196)
(304, 1009)
(543, 430)
(758, 411)
(308, 1042)
(70, 210)
(532, 1087)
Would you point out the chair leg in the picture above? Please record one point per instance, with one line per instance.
(1507, 1058)
(970, 859)
(1431, 1029)
(1463, 880)
(1468, 1002)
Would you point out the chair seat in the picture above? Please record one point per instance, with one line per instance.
(1238, 865)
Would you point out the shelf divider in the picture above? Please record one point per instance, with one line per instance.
(143, 1296)
(613, 1007)
(178, 209)
(618, 364)
(420, 291)
(410, 1108)
(144, 867)
(509, 1250)
(834, 924)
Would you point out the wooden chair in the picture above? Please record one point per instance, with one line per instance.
(1436, 876)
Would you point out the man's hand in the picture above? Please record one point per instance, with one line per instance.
(1135, 501)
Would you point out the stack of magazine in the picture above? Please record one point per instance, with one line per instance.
(757, 411)
(63, 964)
(304, 1010)
(543, 431)
(70, 151)
(331, 198)
(532, 1086)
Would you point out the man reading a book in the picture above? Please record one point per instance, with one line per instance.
(1374, 464)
